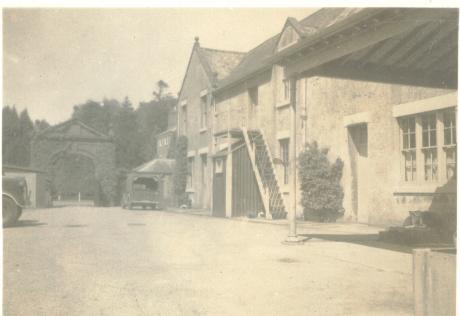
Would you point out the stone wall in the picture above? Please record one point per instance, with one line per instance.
(329, 102)
(195, 82)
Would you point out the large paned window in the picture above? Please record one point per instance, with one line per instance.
(450, 142)
(409, 152)
(428, 146)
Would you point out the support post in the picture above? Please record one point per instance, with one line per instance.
(292, 237)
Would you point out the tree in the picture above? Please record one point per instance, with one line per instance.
(322, 193)
(10, 131)
(127, 137)
(17, 133)
(41, 125)
(26, 131)
(162, 86)
(93, 114)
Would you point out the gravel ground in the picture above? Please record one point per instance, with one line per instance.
(109, 261)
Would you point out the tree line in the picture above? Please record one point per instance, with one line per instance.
(134, 131)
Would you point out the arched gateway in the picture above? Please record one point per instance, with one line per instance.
(79, 160)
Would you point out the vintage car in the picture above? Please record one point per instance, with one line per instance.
(14, 197)
(141, 192)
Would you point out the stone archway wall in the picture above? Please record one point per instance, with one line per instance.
(45, 151)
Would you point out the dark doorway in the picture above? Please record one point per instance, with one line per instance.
(357, 140)
(74, 180)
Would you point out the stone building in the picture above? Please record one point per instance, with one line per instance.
(377, 86)
(79, 161)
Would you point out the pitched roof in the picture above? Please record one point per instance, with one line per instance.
(258, 58)
(65, 128)
(219, 63)
(157, 166)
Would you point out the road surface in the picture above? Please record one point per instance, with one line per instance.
(110, 261)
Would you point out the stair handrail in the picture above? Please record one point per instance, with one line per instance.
(270, 156)
(260, 185)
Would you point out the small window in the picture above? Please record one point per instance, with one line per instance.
(204, 164)
(204, 111)
(184, 118)
(286, 89)
(254, 96)
(284, 155)
(190, 166)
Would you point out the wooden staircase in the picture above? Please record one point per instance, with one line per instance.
(263, 166)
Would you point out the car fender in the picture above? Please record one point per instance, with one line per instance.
(13, 198)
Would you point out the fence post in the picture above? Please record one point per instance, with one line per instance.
(422, 282)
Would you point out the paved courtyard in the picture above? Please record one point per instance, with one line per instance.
(109, 261)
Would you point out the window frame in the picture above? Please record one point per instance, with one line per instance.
(284, 144)
(204, 112)
(431, 151)
(190, 172)
(253, 95)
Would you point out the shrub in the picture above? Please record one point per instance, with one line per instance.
(181, 170)
(322, 194)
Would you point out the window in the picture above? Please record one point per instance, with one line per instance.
(190, 165)
(284, 154)
(450, 142)
(204, 111)
(204, 164)
(409, 152)
(184, 118)
(254, 96)
(429, 149)
(286, 89)
(428, 146)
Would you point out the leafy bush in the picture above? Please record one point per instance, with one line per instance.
(181, 170)
(322, 194)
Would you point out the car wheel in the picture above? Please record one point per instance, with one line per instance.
(10, 210)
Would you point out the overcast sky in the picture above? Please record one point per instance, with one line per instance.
(57, 58)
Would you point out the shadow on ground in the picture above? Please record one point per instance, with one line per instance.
(369, 240)
(26, 223)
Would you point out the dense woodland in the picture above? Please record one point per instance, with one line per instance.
(134, 131)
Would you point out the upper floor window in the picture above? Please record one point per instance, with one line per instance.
(204, 111)
(286, 89)
(184, 119)
(254, 96)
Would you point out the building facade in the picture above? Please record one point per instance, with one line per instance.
(378, 87)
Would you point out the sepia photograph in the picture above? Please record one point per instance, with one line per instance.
(229, 161)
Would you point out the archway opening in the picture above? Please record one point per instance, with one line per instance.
(74, 181)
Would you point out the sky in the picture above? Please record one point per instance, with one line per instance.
(54, 59)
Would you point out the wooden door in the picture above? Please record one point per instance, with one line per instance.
(218, 187)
